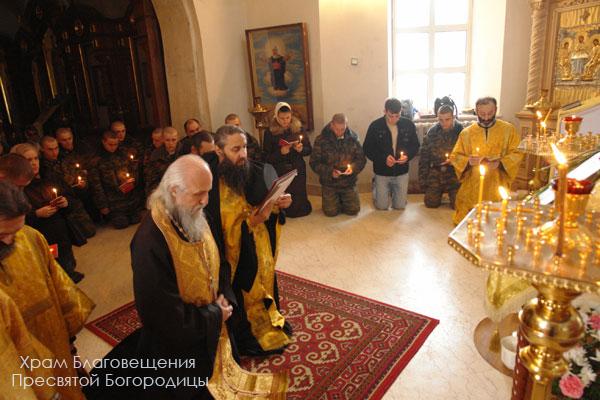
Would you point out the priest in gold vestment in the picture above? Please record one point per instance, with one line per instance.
(183, 297)
(248, 239)
(52, 307)
(17, 344)
(492, 143)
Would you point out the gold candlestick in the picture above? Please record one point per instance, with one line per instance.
(560, 199)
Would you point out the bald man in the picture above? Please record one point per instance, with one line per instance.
(161, 158)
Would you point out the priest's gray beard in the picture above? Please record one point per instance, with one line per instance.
(192, 221)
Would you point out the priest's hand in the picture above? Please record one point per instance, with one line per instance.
(257, 217)
(491, 164)
(390, 161)
(226, 308)
(474, 160)
(284, 201)
(46, 211)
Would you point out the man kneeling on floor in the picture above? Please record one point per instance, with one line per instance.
(183, 297)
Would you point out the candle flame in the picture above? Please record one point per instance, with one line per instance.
(539, 114)
(79, 178)
(131, 156)
(482, 170)
(558, 155)
(127, 175)
(77, 165)
(447, 155)
(503, 193)
(477, 150)
(55, 190)
(543, 124)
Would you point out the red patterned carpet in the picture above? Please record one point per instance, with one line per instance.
(345, 346)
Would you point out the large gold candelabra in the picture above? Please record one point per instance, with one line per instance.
(557, 249)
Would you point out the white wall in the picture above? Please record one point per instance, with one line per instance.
(222, 24)
(487, 46)
(515, 62)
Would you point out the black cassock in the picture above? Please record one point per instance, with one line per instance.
(171, 328)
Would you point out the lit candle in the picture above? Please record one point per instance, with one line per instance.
(131, 157)
(543, 128)
(447, 157)
(79, 180)
(300, 137)
(348, 168)
(539, 115)
(476, 151)
(76, 165)
(480, 197)
(55, 191)
(561, 197)
(401, 154)
(127, 175)
(505, 197)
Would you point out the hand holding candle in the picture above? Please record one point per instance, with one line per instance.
(402, 159)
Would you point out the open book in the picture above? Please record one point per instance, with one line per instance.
(283, 142)
(278, 188)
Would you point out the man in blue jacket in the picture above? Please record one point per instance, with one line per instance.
(391, 142)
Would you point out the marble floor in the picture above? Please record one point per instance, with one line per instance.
(396, 257)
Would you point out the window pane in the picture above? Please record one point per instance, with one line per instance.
(411, 13)
(412, 51)
(413, 87)
(450, 84)
(450, 49)
(450, 12)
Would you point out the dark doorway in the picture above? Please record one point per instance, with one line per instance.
(82, 64)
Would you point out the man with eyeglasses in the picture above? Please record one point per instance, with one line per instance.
(391, 142)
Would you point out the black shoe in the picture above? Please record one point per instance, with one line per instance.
(77, 276)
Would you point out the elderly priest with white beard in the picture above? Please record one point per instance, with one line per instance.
(183, 297)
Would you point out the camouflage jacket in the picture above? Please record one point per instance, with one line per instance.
(436, 144)
(331, 153)
(53, 171)
(107, 173)
(156, 167)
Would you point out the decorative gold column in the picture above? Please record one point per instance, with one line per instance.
(552, 326)
(539, 21)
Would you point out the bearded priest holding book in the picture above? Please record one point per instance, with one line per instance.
(492, 143)
(248, 235)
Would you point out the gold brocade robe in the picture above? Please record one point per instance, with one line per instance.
(501, 143)
(197, 273)
(266, 323)
(53, 308)
(16, 343)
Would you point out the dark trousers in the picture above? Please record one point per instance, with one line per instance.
(340, 200)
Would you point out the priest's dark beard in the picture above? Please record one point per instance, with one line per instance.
(6, 249)
(486, 123)
(192, 221)
(235, 176)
